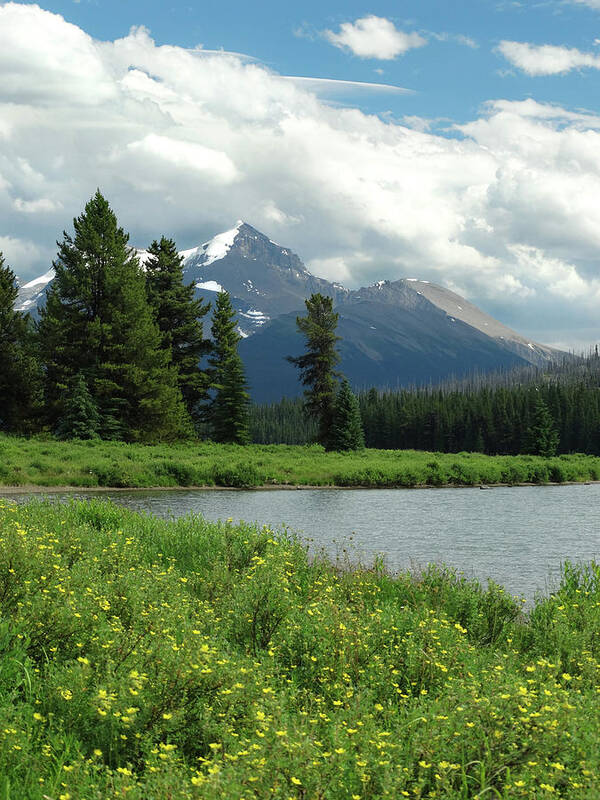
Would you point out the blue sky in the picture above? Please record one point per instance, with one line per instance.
(484, 177)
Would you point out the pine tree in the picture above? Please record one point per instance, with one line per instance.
(80, 419)
(179, 317)
(20, 376)
(98, 321)
(228, 413)
(317, 365)
(347, 428)
(542, 438)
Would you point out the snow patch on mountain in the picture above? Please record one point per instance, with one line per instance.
(42, 279)
(216, 249)
(210, 286)
(257, 317)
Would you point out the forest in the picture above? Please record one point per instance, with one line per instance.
(559, 413)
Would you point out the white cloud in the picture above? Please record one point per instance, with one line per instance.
(374, 37)
(458, 38)
(184, 143)
(330, 87)
(20, 251)
(38, 206)
(185, 156)
(546, 59)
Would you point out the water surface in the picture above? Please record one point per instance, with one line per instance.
(518, 536)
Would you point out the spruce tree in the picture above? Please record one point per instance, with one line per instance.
(80, 419)
(542, 438)
(179, 317)
(317, 365)
(20, 376)
(347, 428)
(98, 321)
(228, 412)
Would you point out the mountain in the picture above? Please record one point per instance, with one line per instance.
(394, 333)
(264, 279)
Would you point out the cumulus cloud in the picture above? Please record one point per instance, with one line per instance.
(546, 59)
(374, 37)
(185, 142)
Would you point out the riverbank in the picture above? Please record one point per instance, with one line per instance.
(30, 489)
(88, 465)
(189, 659)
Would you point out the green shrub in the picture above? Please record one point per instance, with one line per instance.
(121, 476)
(539, 473)
(240, 475)
(435, 474)
(557, 473)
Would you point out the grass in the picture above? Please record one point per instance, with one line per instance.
(47, 462)
(150, 660)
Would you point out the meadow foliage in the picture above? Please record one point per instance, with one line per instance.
(94, 463)
(148, 659)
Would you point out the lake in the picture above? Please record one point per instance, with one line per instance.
(516, 536)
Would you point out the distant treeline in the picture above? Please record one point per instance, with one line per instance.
(560, 412)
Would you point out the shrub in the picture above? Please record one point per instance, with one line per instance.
(239, 476)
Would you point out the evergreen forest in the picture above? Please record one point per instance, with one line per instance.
(558, 413)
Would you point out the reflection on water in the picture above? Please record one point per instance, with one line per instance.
(516, 536)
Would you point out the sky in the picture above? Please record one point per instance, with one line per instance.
(452, 142)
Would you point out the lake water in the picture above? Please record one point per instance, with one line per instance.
(516, 536)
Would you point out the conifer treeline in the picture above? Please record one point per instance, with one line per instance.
(557, 416)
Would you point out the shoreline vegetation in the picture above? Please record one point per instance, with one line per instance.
(94, 464)
(144, 658)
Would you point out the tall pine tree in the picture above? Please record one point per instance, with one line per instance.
(179, 317)
(228, 411)
(98, 322)
(20, 376)
(317, 365)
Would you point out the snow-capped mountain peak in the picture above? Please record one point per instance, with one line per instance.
(213, 250)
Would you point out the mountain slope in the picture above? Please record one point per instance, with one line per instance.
(393, 333)
(456, 306)
(391, 336)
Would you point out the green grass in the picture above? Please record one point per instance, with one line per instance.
(47, 462)
(150, 660)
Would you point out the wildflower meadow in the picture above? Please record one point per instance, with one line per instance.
(147, 660)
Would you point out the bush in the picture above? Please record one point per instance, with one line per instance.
(435, 474)
(557, 473)
(239, 476)
(117, 475)
(539, 473)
